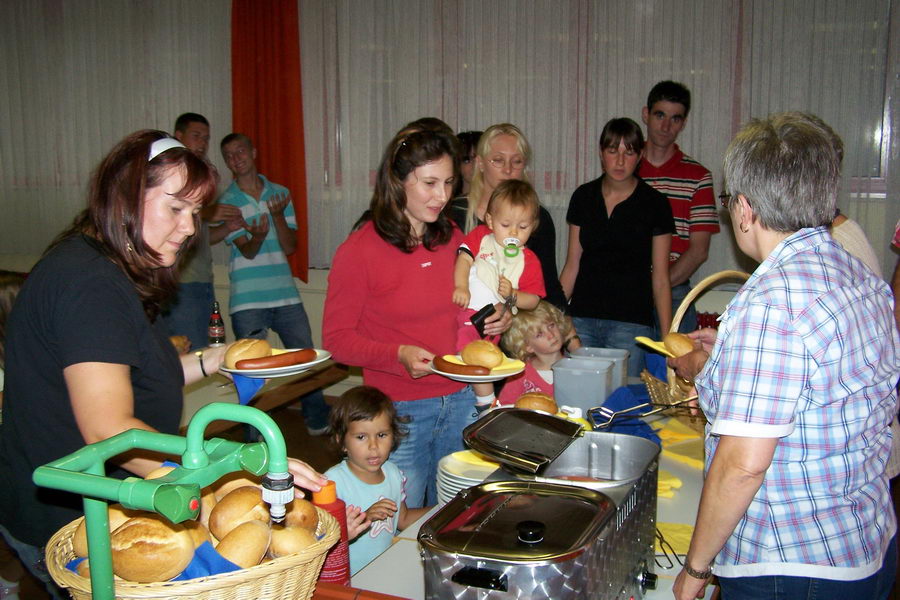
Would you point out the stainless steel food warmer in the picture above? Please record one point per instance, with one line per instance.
(571, 514)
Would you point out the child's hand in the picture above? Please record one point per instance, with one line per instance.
(461, 297)
(381, 510)
(357, 521)
(505, 289)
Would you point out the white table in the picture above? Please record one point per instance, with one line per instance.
(403, 557)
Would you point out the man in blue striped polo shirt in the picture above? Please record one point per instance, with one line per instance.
(263, 293)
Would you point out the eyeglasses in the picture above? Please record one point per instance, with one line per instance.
(517, 163)
(726, 198)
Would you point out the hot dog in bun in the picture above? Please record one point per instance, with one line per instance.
(246, 349)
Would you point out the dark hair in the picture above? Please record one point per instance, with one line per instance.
(10, 284)
(670, 91)
(182, 122)
(408, 150)
(622, 129)
(363, 403)
(114, 217)
(236, 137)
(427, 124)
(469, 142)
(518, 194)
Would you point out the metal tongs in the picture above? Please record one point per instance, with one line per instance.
(602, 416)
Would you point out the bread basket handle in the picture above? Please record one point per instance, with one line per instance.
(701, 287)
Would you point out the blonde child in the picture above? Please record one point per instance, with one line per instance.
(366, 427)
(538, 337)
(493, 263)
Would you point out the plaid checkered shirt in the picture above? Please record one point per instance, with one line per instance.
(808, 352)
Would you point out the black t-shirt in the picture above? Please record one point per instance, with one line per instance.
(542, 242)
(76, 306)
(614, 280)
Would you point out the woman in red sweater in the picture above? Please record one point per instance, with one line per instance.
(389, 307)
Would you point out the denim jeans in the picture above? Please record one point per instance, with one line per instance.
(188, 312)
(434, 431)
(688, 321)
(292, 326)
(33, 559)
(605, 333)
(781, 587)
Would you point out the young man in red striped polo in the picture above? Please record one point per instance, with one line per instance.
(685, 182)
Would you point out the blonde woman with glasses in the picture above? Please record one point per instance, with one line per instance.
(503, 153)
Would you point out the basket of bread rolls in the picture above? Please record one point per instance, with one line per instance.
(276, 561)
(680, 344)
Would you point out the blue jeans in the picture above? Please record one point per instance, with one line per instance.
(688, 321)
(292, 326)
(33, 559)
(188, 312)
(434, 431)
(605, 333)
(781, 587)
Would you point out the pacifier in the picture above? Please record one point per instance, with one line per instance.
(511, 247)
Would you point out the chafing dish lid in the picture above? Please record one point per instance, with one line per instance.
(524, 440)
(518, 521)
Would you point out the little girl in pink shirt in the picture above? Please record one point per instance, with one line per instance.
(538, 337)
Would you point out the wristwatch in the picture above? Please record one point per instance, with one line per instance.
(697, 574)
(199, 355)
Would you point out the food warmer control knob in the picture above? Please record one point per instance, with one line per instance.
(530, 532)
(648, 581)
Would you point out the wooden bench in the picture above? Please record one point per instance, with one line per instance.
(287, 392)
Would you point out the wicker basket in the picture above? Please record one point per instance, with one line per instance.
(676, 391)
(288, 577)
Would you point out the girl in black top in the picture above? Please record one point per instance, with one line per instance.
(617, 264)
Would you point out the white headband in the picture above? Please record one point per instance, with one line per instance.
(161, 145)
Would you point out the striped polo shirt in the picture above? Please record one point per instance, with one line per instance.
(688, 186)
(266, 280)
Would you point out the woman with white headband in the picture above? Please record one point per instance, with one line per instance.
(86, 355)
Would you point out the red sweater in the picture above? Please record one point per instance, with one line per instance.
(380, 298)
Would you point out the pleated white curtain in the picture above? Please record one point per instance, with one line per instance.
(76, 77)
(560, 69)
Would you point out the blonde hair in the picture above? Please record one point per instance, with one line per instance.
(526, 323)
(476, 188)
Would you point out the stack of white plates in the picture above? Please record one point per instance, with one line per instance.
(461, 470)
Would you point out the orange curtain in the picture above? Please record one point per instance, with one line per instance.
(267, 101)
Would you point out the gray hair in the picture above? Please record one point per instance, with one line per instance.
(788, 168)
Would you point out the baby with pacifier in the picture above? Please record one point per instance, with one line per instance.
(493, 265)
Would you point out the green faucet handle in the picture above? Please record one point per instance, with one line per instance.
(178, 502)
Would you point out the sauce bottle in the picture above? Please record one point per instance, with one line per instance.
(337, 562)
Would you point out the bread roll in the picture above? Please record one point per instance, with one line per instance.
(482, 353)
(678, 343)
(537, 401)
(159, 472)
(118, 514)
(233, 481)
(246, 348)
(207, 503)
(288, 540)
(199, 532)
(149, 548)
(241, 505)
(246, 544)
(301, 513)
(84, 568)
